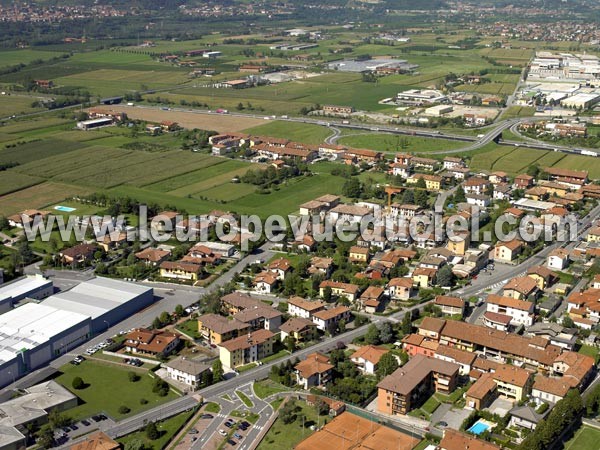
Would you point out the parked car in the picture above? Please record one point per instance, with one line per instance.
(222, 432)
(238, 436)
(85, 422)
(206, 416)
(231, 442)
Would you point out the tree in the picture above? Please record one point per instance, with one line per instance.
(567, 322)
(321, 407)
(408, 197)
(342, 326)
(160, 387)
(78, 383)
(179, 310)
(4, 225)
(386, 365)
(289, 412)
(133, 377)
(421, 184)
(217, 371)
(327, 293)
(124, 409)
(135, 444)
(459, 195)
(45, 436)
(445, 277)
(386, 334)
(290, 343)
(407, 323)
(152, 432)
(372, 335)
(352, 188)
(533, 170)
(421, 197)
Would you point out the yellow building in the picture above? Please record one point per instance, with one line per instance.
(359, 254)
(432, 182)
(424, 277)
(594, 234)
(461, 244)
(513, 382)
(246, 349)
(179, 270)
(217, 329)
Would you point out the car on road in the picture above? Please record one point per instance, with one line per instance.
(442, 424)
(193, 431)
(223, 432)
(206, 416)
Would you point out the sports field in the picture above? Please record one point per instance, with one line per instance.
(586, 438)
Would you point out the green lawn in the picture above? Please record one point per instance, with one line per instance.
(395, 143)
(189, 327)
(167, 429)
(244, 398)
(267, 387)
(589, 350)
(586, 438)
(279, 354)
(108, 388)
(212, 408)
(284, 437)
(430, 405)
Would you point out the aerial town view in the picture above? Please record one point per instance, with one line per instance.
(300, 224)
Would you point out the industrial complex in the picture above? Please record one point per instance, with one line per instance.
(33, 334)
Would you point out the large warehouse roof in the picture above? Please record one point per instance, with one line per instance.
(31, 325)
(96, 297)
(23, 286)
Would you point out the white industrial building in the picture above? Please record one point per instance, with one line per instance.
(104, 300)
(34, 334)
(34, 286)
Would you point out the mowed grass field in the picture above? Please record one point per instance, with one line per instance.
(13, 104)
(391, 143)
(586, 438)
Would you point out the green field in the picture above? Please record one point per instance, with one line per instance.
(394, 143)
(12, 104)
(109, 388)
(586, 438)
(299, 132)
(167, 430)
(25, 56)
(13, 181)
(284, 437)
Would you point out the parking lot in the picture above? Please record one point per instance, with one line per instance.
(84, 426)
(231, 430)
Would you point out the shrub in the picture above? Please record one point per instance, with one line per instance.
(124, 409)
(78, 383)
(133, 377)
(143, 401)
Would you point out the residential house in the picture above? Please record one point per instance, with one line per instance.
(482, 393)
(523, 181)
(481, 200)
(432, 182)
(424, 277)
(152, 256)
(507, 251)
(451, 306)
(187, 371)
(454, 355)
(246, 348)
(216, 329)
(260, 317)
(265, 282)
(321, 265)
(520, 311)
(315, 370)
(476, 185)
(78, 254)
(558, 259)
(358, 254)
(367, 357)
(338, 289)
(280, 267)
(328, 319)
(409, 386)
(150, 342)
(543, 276)
(371, 299)
(299, 307)
(238, 301)
(549, 389)
(400, 288)
(26, 217)
(521, 288)
(180, 270)
(451, 162)
(299, 328)
(415, 344)
(525, 417)
(94, 441)
(349, 213)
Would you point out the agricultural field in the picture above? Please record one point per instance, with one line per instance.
(391, 143)
(39, 196)
(299, 132)
(25, 56)
(13, 104)
(12, 181)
